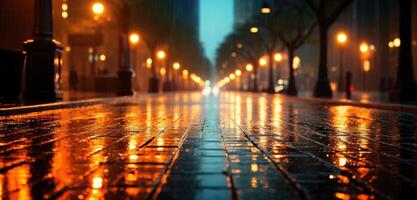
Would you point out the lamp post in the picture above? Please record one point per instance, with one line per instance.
(176, 83)
(249, 69)
(166, 85)
(277, 58)
(364, 50)
(341, 40)
(238, 74)
(266, 10)
(43, 61)
(125, 73)
(405, 86)
(185, 79)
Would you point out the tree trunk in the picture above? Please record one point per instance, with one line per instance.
(322, 88)
(292, 87)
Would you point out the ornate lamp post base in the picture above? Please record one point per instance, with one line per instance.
(125, 79)
(323, 89)
(42, 70)
(153, 85)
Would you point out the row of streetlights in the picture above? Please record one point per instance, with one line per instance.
(98, 9)
(161, 55)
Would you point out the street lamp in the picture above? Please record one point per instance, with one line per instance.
(134, 38)
(364, 49)
(397, 42)
(265, 9)
(341, 40)
(176, 66)
(238, 73)
(161, 55)
(278, 57)
(254, 29)
(97, 8)
(263, 62)
(249, 68)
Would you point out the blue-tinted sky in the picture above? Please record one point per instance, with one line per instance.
(216, 21)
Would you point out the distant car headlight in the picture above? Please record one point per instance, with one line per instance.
(206, 91)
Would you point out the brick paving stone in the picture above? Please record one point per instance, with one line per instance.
(188, 146)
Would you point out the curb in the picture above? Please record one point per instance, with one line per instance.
(53, 106)
(380, 106)
(67, 104)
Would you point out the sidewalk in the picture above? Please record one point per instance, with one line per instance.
(187, 146)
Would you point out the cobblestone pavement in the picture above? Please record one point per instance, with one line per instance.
(187, 146)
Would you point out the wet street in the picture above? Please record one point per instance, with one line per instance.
(190, 146)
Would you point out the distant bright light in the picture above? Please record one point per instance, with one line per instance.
(232, 76)
(97, 183)
(397, 42)
(239, 45)
(163, 71)
(278, 57)
(364, 47)
(134, 38)
(64, 14)
(98, 8)
(149, 63)
(238, 72)
(366, 66)
(254, 29)
(64, 6)
(296, 62)
(206, 91)
(263, 62)
(102, 57)
(176, 65)
(265, 10)
(342, 38)
(280, 81)
(249, 67)
(391, 44)
(185, 73)
(372, 47)
(215, 91)
(161, 54)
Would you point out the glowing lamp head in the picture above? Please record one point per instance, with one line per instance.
(342, 38)
(397, 42)
(278, 57)
(176, 66)
(98, 8)
(232, 76)
(254, 29)
(262, 62)
(161, 54)
(134, 38)
(238, 73)
(364, 47)
(249, 67)
(185, 72)
(265, 9)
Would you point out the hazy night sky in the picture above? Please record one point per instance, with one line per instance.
(216, 21)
